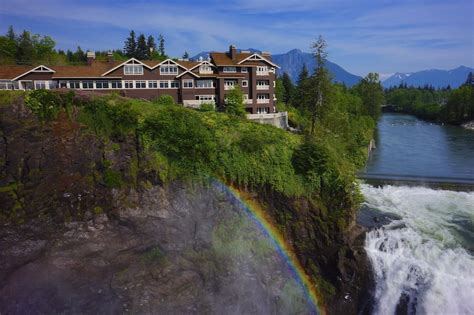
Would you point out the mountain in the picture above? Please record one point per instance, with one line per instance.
(292, 62)
(436, 78)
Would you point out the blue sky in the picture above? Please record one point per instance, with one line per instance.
(363, 36)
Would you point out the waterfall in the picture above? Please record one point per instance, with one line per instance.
(423, 262)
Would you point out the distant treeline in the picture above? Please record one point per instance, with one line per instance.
(453, 106)
(26, 48)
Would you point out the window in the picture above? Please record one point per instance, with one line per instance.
(246, 97)
(229, 69)
(62, 84)
(102, 84)
(263, 84)
(116, 84)
(140, 84)
(244, 70)
(202, 84)
(274, 83)
(6, 85)
(174, 84)
(168, 69)
(263, 110)
(263, 96)
(229, 84)
(188, 84)
(245, 83)
(153, 84)
(205, 69)
(87, 84)
(262, 70)
(133, 69)
(74, 84)
(129, 84)
(204, 98)
(164, 85)
(40, 84)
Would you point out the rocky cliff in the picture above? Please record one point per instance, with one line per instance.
(74, 241)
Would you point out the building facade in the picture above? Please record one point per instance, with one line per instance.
(190, 83)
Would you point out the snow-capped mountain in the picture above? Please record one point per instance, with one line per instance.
(434, 77)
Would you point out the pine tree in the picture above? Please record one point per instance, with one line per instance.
(79, 55)
(288, 88)
(11, 33)
(25, 54)
(141, 52)
(161, 45)
(151, 46)
(300, 91)
(320, 83)
(130, 45)
(185, 55)
(371, 92)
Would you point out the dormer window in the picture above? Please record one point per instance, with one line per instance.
(205, 69)
(229, 70)
(133, 69)
(168, 69)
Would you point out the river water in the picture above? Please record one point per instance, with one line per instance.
(423, 256)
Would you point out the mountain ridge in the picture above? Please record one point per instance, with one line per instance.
(435, 77)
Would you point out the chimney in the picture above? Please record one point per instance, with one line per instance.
(233, 52)
(90, 57)
(110, 57)
(267, 55)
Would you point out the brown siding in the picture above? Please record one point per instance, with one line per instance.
(37, 76)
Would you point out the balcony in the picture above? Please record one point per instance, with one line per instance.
(229, 87)
(263, 72)
(263, 87)
(196, 103)
(263, 100)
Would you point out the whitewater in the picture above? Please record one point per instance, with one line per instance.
(423, 260)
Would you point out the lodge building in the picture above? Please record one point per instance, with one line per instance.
(190, 83)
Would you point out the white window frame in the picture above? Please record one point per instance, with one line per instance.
(205, 69)
(133, 69)
(165, 83)
(262, 70)
(153, 84)
(245, 83)
(165, 69)
(244, 70)
(75, 84)
(206, 98)
(86, 83)
(229, 84)
(206, 86)
(175, 83)
(188, 83)
(42, 85)
(140, 84)
(101, 84)
(129, 84)
(118, 84)
(229, 69)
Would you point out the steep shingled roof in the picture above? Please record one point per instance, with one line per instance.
(223, 59)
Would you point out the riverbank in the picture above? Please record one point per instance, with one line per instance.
(469, 125)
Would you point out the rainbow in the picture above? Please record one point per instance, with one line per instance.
(258, 215)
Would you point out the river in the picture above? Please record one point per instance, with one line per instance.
(422, 251)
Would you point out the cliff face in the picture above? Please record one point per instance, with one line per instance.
(72, 241)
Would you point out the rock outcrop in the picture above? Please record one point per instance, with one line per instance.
(73, 241)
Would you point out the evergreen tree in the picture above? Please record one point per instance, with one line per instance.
(141, 52)
(185, 55)
(69, 56)
(371, 92)
(130, 45)
(161, 45)
(301, 87)
(151, 46)
(25, 53)
(317, 100)
(80, 55)
(288, 88)
(11, 33)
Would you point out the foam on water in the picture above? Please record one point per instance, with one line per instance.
(426, 258)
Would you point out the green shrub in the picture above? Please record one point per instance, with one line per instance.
(112, 178)
(207, 107)
(45, 104)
